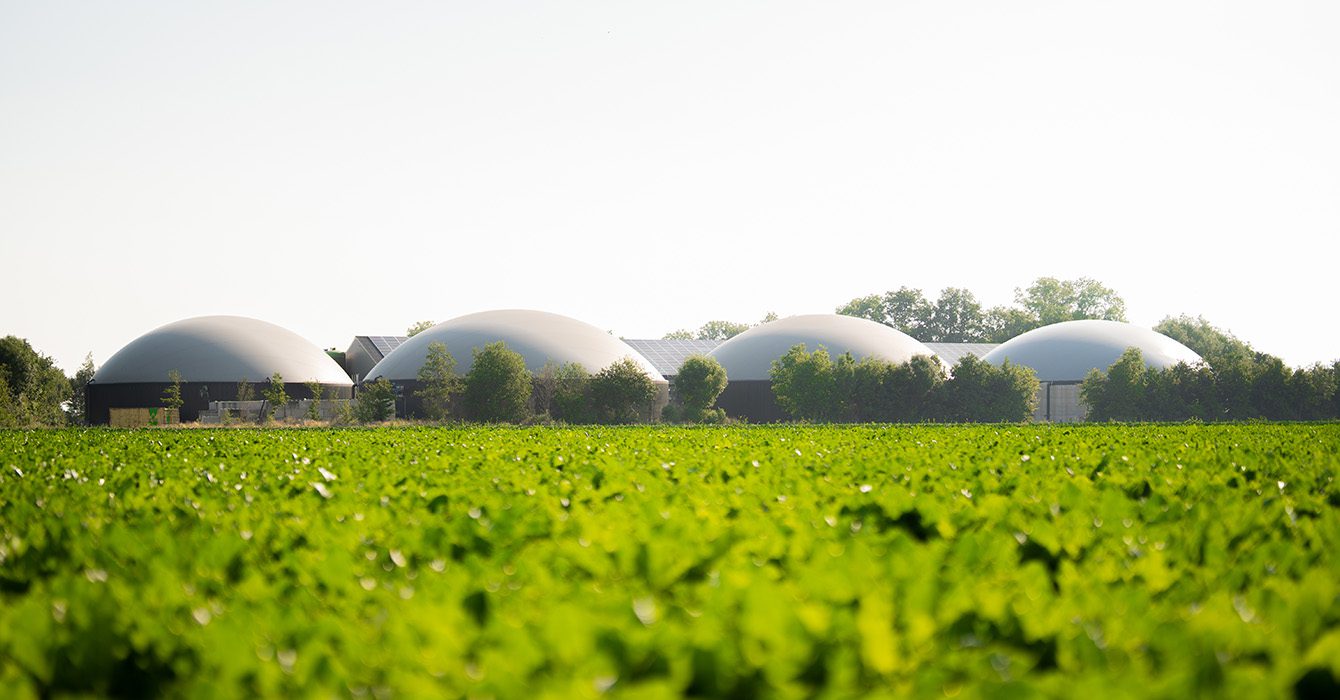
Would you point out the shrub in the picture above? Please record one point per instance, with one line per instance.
(498, 386)
(621, 393)
(803, 383)
(314, 409)
(275, 396)
(570, 399)
(982, 392)
(440, 383)
(172, 394)
(700, 381)
(376, 402)
(34, 388)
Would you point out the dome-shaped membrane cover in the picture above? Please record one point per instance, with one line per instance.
(540, 337)
(1067, 351)
(749, 355)
(220, 349)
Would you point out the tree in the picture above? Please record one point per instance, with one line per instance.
(497, 387)
(1270, 389)
(376, 402)
(1005, 322)
(275, 396)
(1312, 392)
(78, 411)
(418, 327)
(911, 390)
(681, 334)
(905, 309)
(314, 408)
(768, 318)
(1050, 300)
(621, 393)
(1179, 393)
(1215, 345)
(245, 392)
(172, 399)
(803, 383)
(721, 330)
(9, 411)
(862, 387)
(700, 381)
(956, 317)
(35, 389)
(571, 400)
(1118, 393)
(440, 385)
(870, 308)
(981, 392)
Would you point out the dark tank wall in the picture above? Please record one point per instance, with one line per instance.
(751, 400)
(195, 396)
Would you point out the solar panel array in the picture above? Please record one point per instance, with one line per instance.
(386, 343)
(667, 355)
(951, 353)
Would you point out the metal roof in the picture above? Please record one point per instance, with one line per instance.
(951, 353)
(669, 355)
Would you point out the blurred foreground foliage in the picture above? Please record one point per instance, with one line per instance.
(1002, 561)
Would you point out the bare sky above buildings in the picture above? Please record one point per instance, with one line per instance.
(343, 169)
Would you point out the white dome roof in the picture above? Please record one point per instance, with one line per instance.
(749, 355)
(540, 337)
(1067, 351)
(220, 349)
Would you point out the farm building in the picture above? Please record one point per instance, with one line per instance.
(539, 337)
(366, 351)
(748, 356)
(213, 354)
(1062, 354)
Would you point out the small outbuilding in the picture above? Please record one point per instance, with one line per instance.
(748, 357)
(1062, 354)
(214, 355)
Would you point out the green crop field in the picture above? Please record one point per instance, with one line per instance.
(1003, 561)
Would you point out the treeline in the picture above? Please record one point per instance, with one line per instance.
(34, 392)
(956, 316)
(815, 387)
(1236, 382)
(500, 389)
(1260, 388)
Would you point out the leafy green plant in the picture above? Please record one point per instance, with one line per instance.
(760, 561)
(700, 380)
(498, 385)
(275, 396)
(376, 402)
(172, 394)
(440, 385)
(621, 393)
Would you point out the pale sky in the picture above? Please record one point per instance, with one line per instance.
(349, 168)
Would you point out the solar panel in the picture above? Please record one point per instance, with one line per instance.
(951, 353)
(667, 355)
(386, 343)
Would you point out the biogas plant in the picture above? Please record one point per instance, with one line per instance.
(217, 361)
